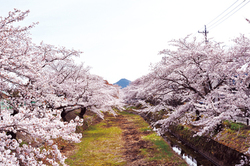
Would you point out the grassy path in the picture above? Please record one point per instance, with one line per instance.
(122, 140)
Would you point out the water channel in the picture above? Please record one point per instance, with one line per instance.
(192, 157)
(225, 157)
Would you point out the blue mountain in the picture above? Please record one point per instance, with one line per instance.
(122, 83)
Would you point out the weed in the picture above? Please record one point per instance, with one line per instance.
(226, 123)
(197, 138)
(145, 129)
(229, 131)
(236, 126)
(131, 107)
(246, 145)
(180, 127)
(242, 136)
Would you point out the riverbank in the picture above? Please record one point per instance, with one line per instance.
(226, 146)
(122, 140)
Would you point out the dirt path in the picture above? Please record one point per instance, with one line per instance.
(124, 140)
(133, 142)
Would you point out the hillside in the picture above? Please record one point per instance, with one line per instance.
(122, 83)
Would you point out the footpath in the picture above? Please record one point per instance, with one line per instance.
(125, 140)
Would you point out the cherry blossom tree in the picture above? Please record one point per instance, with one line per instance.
(38, 83)
(197, 83)
(76, 86)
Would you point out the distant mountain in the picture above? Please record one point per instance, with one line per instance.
(122, 83)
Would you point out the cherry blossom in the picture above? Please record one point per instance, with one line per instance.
(38, 82)
(197, 83)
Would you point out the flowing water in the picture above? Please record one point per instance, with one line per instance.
(225, 156)
(192, 157)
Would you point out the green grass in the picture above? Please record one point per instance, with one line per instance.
(233, 125)
(99, 146)
(160, 151)
(138, 121)
(236, 126)
(102, 144)
(146, 129)
(160, 145)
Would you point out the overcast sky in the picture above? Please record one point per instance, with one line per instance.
(120, 38)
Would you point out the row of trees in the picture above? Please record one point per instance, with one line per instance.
(38, 84)
(196, 83)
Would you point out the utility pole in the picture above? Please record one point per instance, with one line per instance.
(205, 33)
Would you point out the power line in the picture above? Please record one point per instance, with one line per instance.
(223, 12)
(225, 18)
(228, 16)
